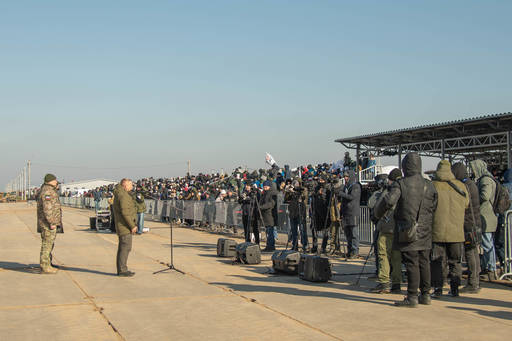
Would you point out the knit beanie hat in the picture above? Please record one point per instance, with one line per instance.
(395, 174)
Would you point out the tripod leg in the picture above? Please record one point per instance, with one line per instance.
(364, 266)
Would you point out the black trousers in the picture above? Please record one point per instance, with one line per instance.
(443, 253)
(325, 238)
(417, 264)
(123, 250)
(247, 231)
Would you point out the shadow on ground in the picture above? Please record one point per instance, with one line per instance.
(35, 268)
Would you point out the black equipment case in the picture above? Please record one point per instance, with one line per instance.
(314, 268)
(226, 247)
(286, 261)
(248, 253)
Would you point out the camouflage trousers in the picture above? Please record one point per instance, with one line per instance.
(334, 241)
(47, 240)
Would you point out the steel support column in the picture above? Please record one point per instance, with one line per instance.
(400, 156)
(358, 154)
(509, 156)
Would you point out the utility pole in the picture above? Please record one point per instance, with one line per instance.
(28, 166)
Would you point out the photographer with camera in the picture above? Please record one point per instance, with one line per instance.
(296, 197)
(250, 213)
(335, 212)
(321, 201)
(266, 208)
(389, 260)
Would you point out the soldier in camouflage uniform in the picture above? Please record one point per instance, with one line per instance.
(49, 219)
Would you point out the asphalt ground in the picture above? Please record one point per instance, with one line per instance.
(213, 300)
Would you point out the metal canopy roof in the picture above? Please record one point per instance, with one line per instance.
(484, 137)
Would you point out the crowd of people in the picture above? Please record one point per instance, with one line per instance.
(428, 224)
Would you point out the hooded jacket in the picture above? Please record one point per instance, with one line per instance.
(448, 226)
(407, 194)
(386, 224)
(267, 205)
(125, 212)
(472, 220)
(350, 196)
(487, 193)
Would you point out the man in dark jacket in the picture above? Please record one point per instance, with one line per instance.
(267, 205)
(416, 200)
(320, 202)
(126, 224)
(250, 213)
(350, 210)
(448, 229)
(472, 229)
(389, 260)
(296, 197)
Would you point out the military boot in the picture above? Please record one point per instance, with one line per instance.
(48, 270)
(381, 288)
(425, 299)
(454, 290)
(408, 302)
(396, 288)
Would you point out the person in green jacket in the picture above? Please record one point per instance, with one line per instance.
(125, 214)
(487, 191)
(448, 228)
(140, 204)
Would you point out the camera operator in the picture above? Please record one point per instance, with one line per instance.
(296, 197)
(389, 260)
(335, 212)
(250, 212)
(322, 219)
(266, 206)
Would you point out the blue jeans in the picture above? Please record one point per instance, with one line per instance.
(489, 256)
(140, 222)
(271, 243)
(352, 235)
(96, 205)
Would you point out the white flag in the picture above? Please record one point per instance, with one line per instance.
(270, 160)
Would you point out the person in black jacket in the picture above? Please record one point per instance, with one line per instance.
(248, 206)
(472, 229)
(296, 197)
(350, 211)
(267, 205)
(320, 203)
(416, 200)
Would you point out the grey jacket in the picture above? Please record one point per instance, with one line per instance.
(487, 192)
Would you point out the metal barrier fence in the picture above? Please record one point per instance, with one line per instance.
(508, 246)
(82, 202)
(213, 213)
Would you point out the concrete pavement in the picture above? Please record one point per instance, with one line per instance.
(213, 300)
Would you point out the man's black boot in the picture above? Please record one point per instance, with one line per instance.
(469, 289)
(454, 290)
(396, 289)
(381, 288)
(408, 302)
(425, 299)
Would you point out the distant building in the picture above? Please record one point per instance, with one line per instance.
(80, 187)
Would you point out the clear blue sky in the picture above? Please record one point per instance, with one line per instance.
(113, 84)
